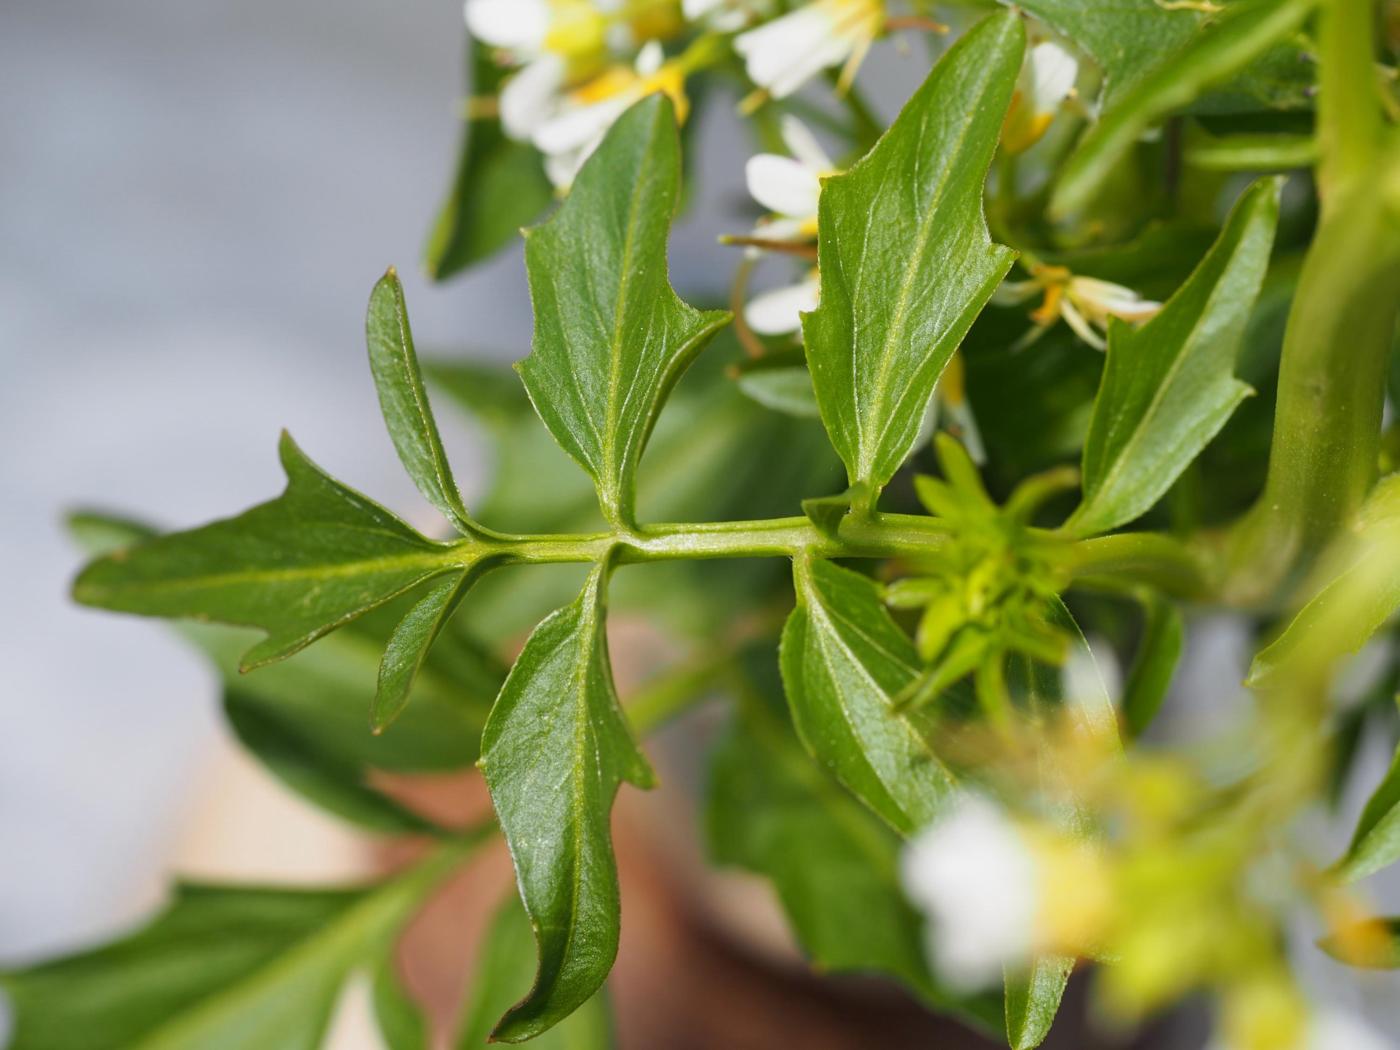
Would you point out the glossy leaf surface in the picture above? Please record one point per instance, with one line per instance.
(906, 260)
(404, 401)
(611, 336)
(555, 750)
(1169, 386)
(844, 661)
(505, 966)
(297, 567)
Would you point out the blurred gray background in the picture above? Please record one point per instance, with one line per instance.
(195, 199)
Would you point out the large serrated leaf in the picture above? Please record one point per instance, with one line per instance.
(555, 750)
(906, 260)
(1169, 386)
(1247, 30)
(844, 661)
(611, 335)
(505, 966)
(297, 567)
(222, 968)
(833, 863)
(500, 185)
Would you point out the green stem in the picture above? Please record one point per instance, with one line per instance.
(1336, 349)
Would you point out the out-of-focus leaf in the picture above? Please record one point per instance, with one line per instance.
(611, 335)
(1158, 651)
(400, 1020)
(1244, 32)
(297, 567)
(404, 401)
(787, 390)
(555, 750)
(1360, 592)
(844, 661)
(1169, 386)
(222, 968)
(772, 811)
(326, 778)
(906, 260)
(499, 187)
(504, 969)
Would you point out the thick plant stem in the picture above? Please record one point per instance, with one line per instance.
(1340, 329)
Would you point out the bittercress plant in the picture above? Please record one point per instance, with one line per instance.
(936, 638)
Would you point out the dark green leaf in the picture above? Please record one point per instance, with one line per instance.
(298, 567)
(555, 749)
(404, 401)
(1033, 1000)
(844, 660)
(1169, 386)
(400, 1020)
(1125, 38)
(1158, 651)
(223, 968)
(1247, 30)
(500, 186)
(906, 260)
(833, 864)
(322, 693)
(611, 336)
(408, 646)
(504, 969)
(320, 774)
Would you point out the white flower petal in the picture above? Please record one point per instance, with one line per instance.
(803, 145)
(785, 53)
(974, 876)
(782, 185)
(531, 96)
(1334, 1030)
(576, 127)
(650, 58)
(519, 25)
(782, 230)
(1053, 71)
(780, 311)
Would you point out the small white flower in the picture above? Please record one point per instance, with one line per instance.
(1086, 304)
(518, 26)
(1046, 81)
(780, 311)
(976, 878)
(785, 53)
(573, 132)
(531, 96)
(790, 187)
(723, 16)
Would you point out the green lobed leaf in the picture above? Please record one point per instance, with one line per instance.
(1033, 1000)
(555, 750)
(504, 969)
(906, 260)
(844, 660)
(500, 185)
(333, 782)
(1169, 386)
(297, 567)
(404, 401)
(322, 693)
(400, 1020)
(222, 968)
(1245, 31)
(834, 865)
(611, 335)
